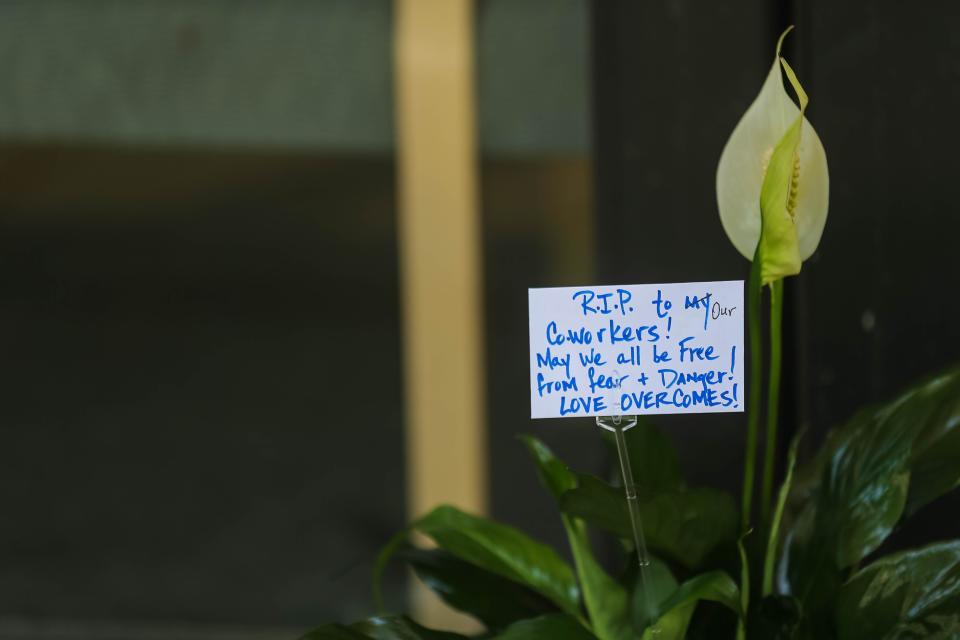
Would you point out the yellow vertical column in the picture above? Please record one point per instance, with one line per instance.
(440, 264)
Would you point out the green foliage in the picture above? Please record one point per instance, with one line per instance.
(495, 601)
(716, 586)
(685, 525)
(914, 594)
(830, 518)
(559, 626)
(744, 587)
(653, 459)
(857, 488)
(936, 448)
(773, 540)
(832, 513)
(650, 591)
(605, 599)
(499, 549)
(519, 588)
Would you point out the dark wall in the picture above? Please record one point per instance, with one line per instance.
(874, 308)
(879, 309)
(671, 81)
(186, 337)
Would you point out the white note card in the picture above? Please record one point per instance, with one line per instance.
(636, 349)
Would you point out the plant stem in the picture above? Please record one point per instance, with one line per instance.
(773, 395)
(754, 294)
(770, 561)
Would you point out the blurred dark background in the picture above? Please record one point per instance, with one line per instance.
(869, 314)
(198, 269)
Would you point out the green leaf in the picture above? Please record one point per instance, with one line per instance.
(495, 601)
(334, 632)
(553, 473)
(744, 586)
(716, 586)
(935, 456)
(674, 606)
(690, 524)
(859, 500)
(673, 624)
(504, 551)
(653, 458)
(685, 524)
(495, 547)
(807, 568)
(651, 588)
(868, 462)
(600, 504)
(772, 541)
(863, 478)
(555, 626)
(400, 628)
(913, 594)
(605, 598)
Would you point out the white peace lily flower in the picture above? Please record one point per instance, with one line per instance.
(773, 177)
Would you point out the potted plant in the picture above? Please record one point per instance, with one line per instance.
(801, 564)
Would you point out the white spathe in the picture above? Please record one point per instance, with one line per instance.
(743, 163)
